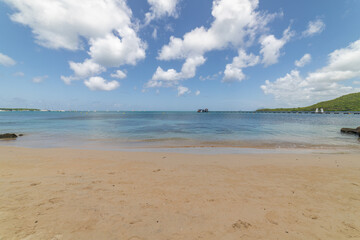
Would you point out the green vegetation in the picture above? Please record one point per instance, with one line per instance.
(19, 109)
(350, 102)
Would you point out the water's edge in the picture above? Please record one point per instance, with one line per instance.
(181, 131)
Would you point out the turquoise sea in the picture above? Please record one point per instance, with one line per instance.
(176, 130)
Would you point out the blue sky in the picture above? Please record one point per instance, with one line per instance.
(177, 54)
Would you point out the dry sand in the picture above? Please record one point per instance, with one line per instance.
(79, 194)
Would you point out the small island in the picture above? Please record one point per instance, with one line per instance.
(349, 102)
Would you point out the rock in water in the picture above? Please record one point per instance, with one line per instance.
(351, 130)
(8, 135)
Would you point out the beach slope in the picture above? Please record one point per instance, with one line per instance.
(82, 194)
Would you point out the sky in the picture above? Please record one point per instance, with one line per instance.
(158, 55)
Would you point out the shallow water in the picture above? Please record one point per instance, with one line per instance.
(119, 130)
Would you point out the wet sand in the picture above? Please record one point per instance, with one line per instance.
(82, 194)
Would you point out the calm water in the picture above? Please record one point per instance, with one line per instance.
(118, 130)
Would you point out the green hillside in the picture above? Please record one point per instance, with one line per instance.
(350, 102)
(19, 109)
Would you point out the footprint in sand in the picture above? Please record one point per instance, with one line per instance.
(271, 216)
(134, 222)
(310, 214)
(40, 204)
(35, 184)
(350, 230)
(241, 225)
(55, 200)
(350, 226)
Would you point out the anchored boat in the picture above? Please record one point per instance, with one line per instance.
(202, 110)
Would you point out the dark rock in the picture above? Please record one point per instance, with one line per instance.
(8, 135)
(355, 131)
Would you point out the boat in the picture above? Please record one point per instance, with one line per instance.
(321, 111)
(202, 110)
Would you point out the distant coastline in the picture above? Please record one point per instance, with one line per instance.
(346, 103)
(28, 110)
(18, 109)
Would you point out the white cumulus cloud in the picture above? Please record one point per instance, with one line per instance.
(271, 46)
(314, 27)
(161, 8)
(236, 24)
(86, 69)
(197, 93)
(6, 60)
(19, 74)
(211, 77)
(306, 59)
(182, 91)
(171, 77)
(99, 83)
(62, 23)
(104, 25)
(116, 50)
(39, 79)
(119, 74)
(83, 70)
(343, 64)
(233, 71)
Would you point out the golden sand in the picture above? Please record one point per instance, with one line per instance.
(80, 194)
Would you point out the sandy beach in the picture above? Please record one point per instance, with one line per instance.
(83, 194)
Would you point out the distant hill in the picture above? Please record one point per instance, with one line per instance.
(18, 109)
(350, 102)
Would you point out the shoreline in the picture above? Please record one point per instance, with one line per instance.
(91, 194)
(351, 145)
(200, 149)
